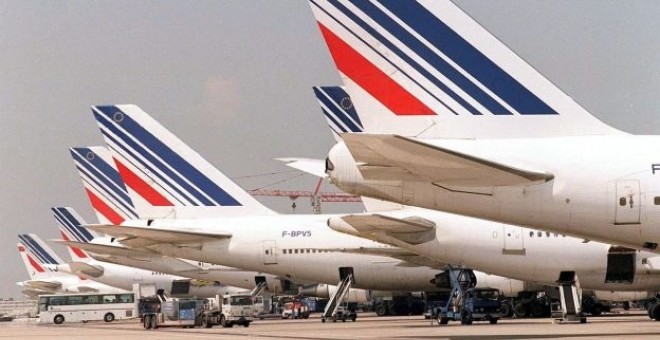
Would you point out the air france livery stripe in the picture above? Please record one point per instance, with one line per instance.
(37, 250)
(72, 225)
(444, 72)
(190, 185)
(338, 109)
(103, 185)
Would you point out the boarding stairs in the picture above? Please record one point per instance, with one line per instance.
(336, 300)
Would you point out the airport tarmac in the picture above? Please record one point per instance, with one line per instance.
(634, 325)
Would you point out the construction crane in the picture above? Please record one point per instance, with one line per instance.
(316, 197)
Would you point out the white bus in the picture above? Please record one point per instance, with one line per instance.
(85, 307)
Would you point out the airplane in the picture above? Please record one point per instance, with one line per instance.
(455, 121)
(121, 276)
(39, 260)
(111, 204)
(612, 273)
(291, 246)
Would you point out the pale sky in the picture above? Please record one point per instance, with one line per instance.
(233, 80)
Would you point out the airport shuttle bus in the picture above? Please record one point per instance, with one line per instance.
(58, 308)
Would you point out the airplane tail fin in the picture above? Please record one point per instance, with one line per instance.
(427, 69)
(70, 225)
(38, 257)
(163, 174)
(106, 190)
(338, 110)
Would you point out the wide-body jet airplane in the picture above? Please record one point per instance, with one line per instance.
(455, 121)
(251, 236)
(502, 249)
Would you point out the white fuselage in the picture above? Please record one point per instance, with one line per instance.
(605, 188)
(516, 252)
(297, 246)
(124, 277)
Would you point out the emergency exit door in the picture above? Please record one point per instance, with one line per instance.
(628, 202)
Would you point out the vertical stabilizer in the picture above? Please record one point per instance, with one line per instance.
(104, 187)
(38, 257)
(425, 68)
(70, 225)
(165, 177)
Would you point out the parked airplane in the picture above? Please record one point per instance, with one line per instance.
(39, 260)
(457, 122)
(111, 204)
(121, 276)
(501, 249)
(297, 246)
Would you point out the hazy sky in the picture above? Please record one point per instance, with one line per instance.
(233, 79)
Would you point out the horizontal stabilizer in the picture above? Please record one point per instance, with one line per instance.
(43, 284)
(84, 269)
(103, 249)
(389, 157)
(145, 236)
(411, 230)
(311, 166)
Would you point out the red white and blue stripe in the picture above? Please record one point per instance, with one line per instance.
(411, 61)
(41, 252)
(338, 109)
(105, 188)
(151, 167)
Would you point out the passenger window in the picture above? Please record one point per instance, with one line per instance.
(539, 233)
(622, 201)
(531, 234)
(656, 200)
(547, 234)
(296, 251)
(267, 252)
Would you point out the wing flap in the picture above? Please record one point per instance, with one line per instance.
(383, 157)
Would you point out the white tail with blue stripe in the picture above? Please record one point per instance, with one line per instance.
(425, 68)
(165, 177)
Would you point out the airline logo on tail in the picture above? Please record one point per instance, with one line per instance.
(38, 253)
(30, 261)
(160, 170)
(409, 57)
(181, 182)
(70, 224)
(338, 109)
(104, 186)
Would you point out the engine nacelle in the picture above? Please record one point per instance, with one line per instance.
(325, 291)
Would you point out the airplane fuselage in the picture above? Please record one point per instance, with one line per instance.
(605, 188)
(300, 247)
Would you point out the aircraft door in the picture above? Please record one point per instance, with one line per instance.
(270, 252)
(628, 202)
(513, 240)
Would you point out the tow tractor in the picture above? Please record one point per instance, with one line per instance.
(467, 303)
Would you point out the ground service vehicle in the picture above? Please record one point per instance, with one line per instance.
(230, 310)
(157, 312)
(86, 307)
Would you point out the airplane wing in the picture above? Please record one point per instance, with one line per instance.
(381, 228)
(137, 237)
(311, 166)
(390, 157)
